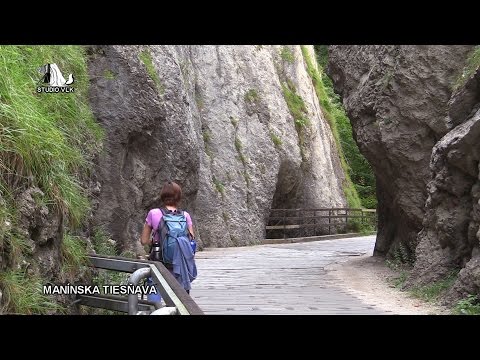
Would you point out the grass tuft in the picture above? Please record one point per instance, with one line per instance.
(433, 291)
(468, 306)
(471, 66)
(46, 138)
(23, 294)
(251, 96)
(295, 104)
(109, 75)
(102, 243)
(74, 254)
(219, 186)
(287, 55)
(275, 139)
(146, 57)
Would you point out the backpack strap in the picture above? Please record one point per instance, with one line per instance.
(162, 229)
(160, 226)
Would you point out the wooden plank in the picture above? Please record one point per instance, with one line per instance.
(342, 216)
(317, 209)
(280, 227)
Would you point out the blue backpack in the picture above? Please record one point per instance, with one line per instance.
(173, 225)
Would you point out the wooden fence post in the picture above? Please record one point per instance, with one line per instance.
(329, 221)
(346, 220)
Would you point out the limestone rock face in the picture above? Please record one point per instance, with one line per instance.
(422, 138)
(450, 238)
(214, 119)
(42, 230)
(397, 98)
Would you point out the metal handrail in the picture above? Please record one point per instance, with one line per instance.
(134, 279)
(170, 289)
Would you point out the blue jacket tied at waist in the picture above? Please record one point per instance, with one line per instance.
(184, 267)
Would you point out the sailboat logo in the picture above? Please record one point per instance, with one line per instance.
(53, 79)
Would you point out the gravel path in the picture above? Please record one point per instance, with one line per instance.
(369, 279)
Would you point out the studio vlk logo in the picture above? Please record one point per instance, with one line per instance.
(52, 76)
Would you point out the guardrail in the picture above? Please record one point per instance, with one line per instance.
(318, 221)
(171, 291)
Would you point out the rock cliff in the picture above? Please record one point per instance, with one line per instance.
(218, 120)
(419, 129)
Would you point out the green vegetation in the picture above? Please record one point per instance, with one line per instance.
(208, 151)
(366, 229)
(401, 255)
(299, 112)
(74, 254)
(238, 144)
(128, 254)
(400, 280)
(108, 74)
(102, 243)
(402, 264)
(471, 66)
(468, 306)
(295, 104)
(45, 137)
(47, 140)
(207, 136)
(242, 158)
(321, 51)
(185, 70)
(233, 121)
(402, 269)
(238, 147)
(247, 178)
(219, 186)
(146, 57)
(225, 217)
(23, 294)
(287, 55)
(251, 96)
(275, 139)
(199, 100)
(15, 246)
(359, 186)
(433, 291)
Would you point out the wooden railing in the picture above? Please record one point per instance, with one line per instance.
(284, 223)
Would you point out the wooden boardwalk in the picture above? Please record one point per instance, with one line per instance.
(278, 279)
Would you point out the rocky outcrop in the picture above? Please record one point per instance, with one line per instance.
(421, 138)
(214, 119)
(397, 100)
(450, 238)
(41, 230)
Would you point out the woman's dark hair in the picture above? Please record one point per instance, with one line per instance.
(171, 194)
